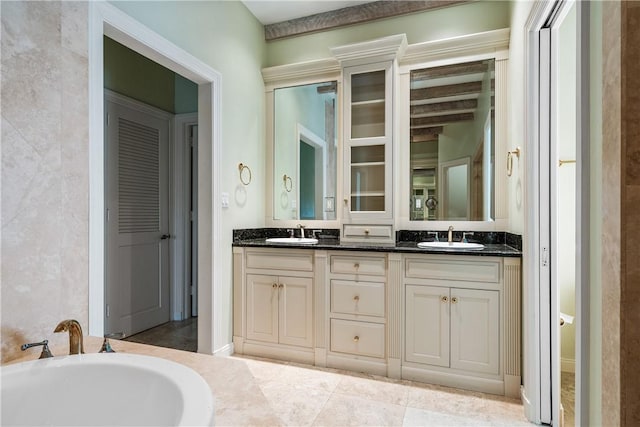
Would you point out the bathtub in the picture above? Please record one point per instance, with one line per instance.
(108, 389)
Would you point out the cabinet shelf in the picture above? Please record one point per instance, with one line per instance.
(368, 194)
(367, 103)
(366, 164)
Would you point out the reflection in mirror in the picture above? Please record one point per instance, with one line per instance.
(305, 149)
(452, 142)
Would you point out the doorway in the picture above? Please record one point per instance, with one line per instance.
(105, 19)
(558, 224)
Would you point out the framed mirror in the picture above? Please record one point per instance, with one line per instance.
(452, 142)
(305, 152)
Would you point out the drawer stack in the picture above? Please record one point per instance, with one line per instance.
(357, 313)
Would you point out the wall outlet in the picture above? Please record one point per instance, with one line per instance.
(225, 200)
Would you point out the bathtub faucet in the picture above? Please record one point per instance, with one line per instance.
(75, 335)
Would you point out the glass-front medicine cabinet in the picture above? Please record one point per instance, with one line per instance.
(452, 142)
(305, 152)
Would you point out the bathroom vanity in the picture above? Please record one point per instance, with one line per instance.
(442, 317)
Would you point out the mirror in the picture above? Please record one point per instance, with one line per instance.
(305, 152)
(452, 146)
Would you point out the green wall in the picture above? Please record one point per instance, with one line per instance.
(473, 17)
(129, 73)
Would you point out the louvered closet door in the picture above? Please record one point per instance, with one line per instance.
(137, 294)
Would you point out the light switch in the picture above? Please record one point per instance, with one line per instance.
(225, 200)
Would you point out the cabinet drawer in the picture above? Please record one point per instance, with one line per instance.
(364, 231)
(469, 271)
(359, 338)
(373, 266)
(365, 298)
(280, 260)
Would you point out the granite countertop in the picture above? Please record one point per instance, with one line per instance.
(494, 243)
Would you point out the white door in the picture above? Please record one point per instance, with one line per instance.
(427, 328)
(137, 223)
(262, 308)
(296, 311)
(475, 330)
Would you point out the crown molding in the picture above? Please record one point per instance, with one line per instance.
(493, 41)
(318, 68)
(385, 48)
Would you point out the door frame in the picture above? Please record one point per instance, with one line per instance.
(106, 19)
(180, 196)
(540, 307)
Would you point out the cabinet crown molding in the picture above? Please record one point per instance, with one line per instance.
(301, 70)
(382, 49)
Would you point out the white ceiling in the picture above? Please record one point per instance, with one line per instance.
(271, 12)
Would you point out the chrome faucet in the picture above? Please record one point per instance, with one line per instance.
(75, 335)
(450, 234)
(301, 227)
(434, 234)
(464, 236)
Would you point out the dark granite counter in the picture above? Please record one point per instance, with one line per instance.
(495, 243)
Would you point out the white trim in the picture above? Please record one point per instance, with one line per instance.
(225, 351)
(492, 44)
(105, 19)
(316, 69)
(383, 49)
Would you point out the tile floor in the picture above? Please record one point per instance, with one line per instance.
(255, 391)
(179, 335)
(302, 395)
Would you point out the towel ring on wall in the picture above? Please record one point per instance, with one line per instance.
(286, 178)
(510, 155)
(241, 170)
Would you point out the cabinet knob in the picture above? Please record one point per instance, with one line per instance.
(275, 285)
(444, 298)
(366, 231)
(281, 286)
(454, 300)
(356, 298)
(356, 338)
(356, 266)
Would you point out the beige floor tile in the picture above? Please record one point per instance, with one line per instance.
(446, 400)
(421, 417)
(344, 410)
(310, 377)
(294, 405)
(382, 391)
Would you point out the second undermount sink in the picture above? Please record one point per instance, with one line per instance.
(452, 245)
(293, 240)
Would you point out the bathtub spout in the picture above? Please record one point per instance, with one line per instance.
(76, 345)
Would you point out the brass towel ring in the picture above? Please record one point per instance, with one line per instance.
(241, 170)
(286, 178)
(510, 155)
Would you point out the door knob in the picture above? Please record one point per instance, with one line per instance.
(165, 236)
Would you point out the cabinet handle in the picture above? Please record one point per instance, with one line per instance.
(356, 338)
(356, 298)
(454, 300)
(281, 286)
(366, 231)
(275, 285)
(444, 298)
(356, 266)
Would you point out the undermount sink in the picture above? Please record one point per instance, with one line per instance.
(293, 240)
(452, 245)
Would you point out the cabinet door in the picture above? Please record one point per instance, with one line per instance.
(368, 130)
(262, 308)
(427, 325)
(475, 325)
(296, 311)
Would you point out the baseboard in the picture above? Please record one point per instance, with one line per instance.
(528, 407)
(225, 351)
(568, 365)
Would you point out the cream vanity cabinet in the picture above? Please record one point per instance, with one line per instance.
(273, 307)
(357, 311)
(460, 318)
(369, 133)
